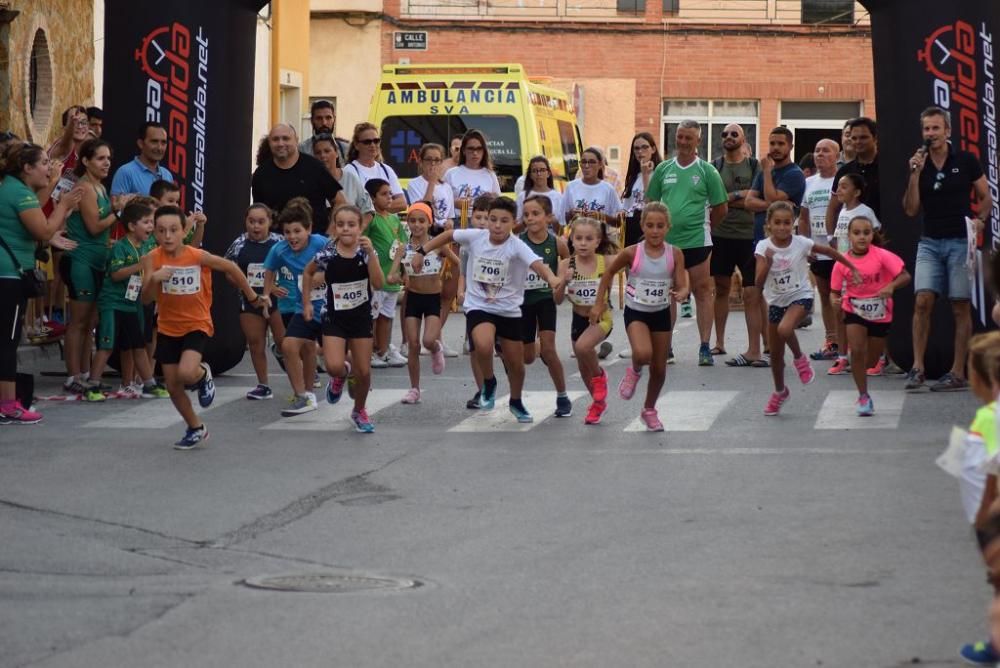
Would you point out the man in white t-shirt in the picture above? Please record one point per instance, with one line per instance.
(812, 223)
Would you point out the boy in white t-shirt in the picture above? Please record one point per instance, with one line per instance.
(498, 267)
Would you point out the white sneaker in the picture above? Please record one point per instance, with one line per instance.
(393, 357)
(130, 392)
(448, 352)
(625, 353)
(379, 361)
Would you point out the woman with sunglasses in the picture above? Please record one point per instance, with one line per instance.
(643, 158)
(25, 172)
(474, 175)
(325, 149)
(540, 182)
(363, 160)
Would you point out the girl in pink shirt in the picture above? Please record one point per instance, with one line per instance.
(867, 306)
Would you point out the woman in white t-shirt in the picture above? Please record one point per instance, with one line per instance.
(539, 181)
(591, 195)
(474, 174)
(642, 160)
(325, 149)
(363, 160)
(783, 272)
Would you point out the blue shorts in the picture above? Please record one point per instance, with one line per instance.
(775, 314)
(941, 269)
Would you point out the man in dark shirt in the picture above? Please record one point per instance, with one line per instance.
(288, 173)
(942, 180)
(864, 143)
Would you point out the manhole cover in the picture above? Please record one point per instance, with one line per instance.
(330, 583)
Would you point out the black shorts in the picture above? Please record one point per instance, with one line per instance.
(422, 306)
(537, 317)
(347, 328)
(822, 268)
(256, 310)
(657, 321)
(298, 328)
(878, 330)
(695, 256)
(633, 229)
(729, 254)
(149, 321)
(169, 348)
(119, 330)
(506, 327)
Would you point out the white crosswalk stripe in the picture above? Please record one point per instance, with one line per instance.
(838, 411)
(687, 411)
(160, 413)
(337, 417)
(540, 404)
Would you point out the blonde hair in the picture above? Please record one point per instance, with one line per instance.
(655, 207)
(605, 246)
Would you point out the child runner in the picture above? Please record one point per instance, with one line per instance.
(656, 277)
(850, 188)
(120, 323)
(350, 268)
(541, 182)
(593, 252)
(538, 311)
(387, 234)
(978, 482)
(783, 274)
(498, 266)
(867, 307)
(249, 251)
(168, 193)
(176, 275)
(423, 296)
(479, 220)
(283, 268)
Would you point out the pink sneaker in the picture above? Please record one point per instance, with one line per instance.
(412, 396)
(806, 373)
(651, 419)
(15, 413)
(626, 386)
(774, 403)
(437, 359)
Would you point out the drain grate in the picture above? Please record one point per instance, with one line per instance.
(330, 583)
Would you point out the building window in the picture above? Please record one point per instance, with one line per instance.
(813, 120)
(631, 6)
(713, 116)
(828, 11)
(39, 85)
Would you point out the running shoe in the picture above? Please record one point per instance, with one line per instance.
(670, 356)
(362, 424)
(806, 373)
(774, 403)
(604, 350)
(394, 358)
(75, 387)
(564, 407)
(595, 412)
(206, 387)
(806, 322)
(599, 387)
(260, 393)
(473, 403)
(334, 389)
(915, 380)
(893, 369)
(448, 352)
(305, 403)
(827, 352)
(317, 382)
(155, 391)
(651, 419)
(950, 383)
(686, 310)
(412, 396)
(437, 360)
(705, 356)
(840, 368)
(520, 412)
(15, 413)
(865, 406)
(626, 386)
(625, 354)
(487, 397)
(980, 654)
(878, 369)
(276, 351)
(192, 437)
(379, 361)
(94, 394)
(130, 392)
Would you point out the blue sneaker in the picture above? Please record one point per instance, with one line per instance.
(334, 389)
(487, 399)
(192, 437)
(865, 405)
(520, 412)
(979, 654)
(362, 424)
(705, 356)
(206, 388)
(564, 407)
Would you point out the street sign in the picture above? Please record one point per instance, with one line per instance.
(410, 41)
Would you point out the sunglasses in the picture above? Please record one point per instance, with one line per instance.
(734, 135)
(369, 142)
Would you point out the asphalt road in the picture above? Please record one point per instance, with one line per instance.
(811, 539)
